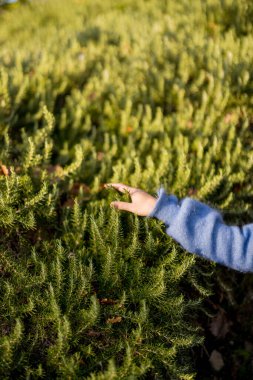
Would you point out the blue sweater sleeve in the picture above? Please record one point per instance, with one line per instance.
(200, 229)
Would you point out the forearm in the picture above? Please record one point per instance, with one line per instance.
(200, 229)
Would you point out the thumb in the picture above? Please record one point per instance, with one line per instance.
(126, 206)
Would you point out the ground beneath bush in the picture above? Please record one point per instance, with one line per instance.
(228, 349)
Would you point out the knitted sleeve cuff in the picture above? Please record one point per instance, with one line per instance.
(166, 207)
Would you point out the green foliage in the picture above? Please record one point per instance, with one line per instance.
(145, 93)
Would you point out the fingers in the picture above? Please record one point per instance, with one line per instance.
(124, 206)
(121, 187)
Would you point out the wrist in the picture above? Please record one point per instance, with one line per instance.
(165, 207)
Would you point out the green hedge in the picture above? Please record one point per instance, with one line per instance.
(144, 93)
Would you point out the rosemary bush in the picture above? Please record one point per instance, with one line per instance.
(144, 93)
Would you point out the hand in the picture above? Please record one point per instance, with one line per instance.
(142, 203)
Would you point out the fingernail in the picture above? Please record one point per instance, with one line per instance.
(113, 205)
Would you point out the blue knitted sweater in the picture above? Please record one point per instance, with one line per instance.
(200, 229)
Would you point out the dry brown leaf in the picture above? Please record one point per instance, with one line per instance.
(192, 191)
(100, 156)
(107, 301)
(189, 124)
(129, 128)
(92, 96)
(93, 333)
(230, 118)
(114, 320)
(220, 324)
(216, 360)
(4, 170)
(77, 186)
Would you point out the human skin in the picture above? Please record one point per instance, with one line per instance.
(142, 202)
